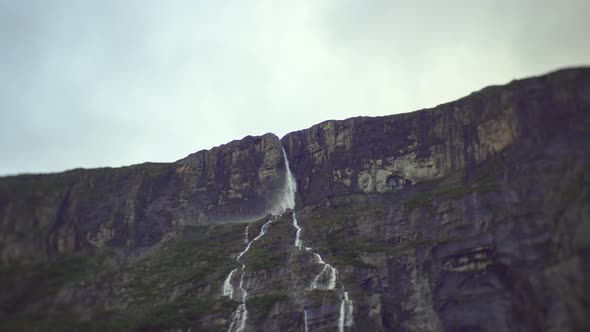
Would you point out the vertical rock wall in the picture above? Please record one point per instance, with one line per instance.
(386, 154)
(44, 215)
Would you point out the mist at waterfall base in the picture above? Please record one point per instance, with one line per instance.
(325, 280)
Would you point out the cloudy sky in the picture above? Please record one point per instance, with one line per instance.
(108, 83)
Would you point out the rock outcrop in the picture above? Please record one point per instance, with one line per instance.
(136, 206)
(390, 153)
(471, 216)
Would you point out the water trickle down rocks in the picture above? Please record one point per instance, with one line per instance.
(345, 319)
(286, 201)
(298, 242)
(228, 288)
(238, 322)
(326, 279)
(246, 234)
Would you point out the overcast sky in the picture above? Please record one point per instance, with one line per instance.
(111, 83)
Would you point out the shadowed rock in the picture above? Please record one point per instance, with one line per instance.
(471, 216)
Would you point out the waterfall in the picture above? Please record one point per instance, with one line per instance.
(246, 233)
(228, 288)
(326, 279)
(286, 201)
(319, 281)
(289, 202)
(345, 318)
(262, 232)
(238, 322)
(298, 242)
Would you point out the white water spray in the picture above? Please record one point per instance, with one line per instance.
(263, 230)
(246, 233)
(228, 288)
(345, 318)
(291, 189)
(326, 279)
(238, 322)
(286, 201)
(298, 242)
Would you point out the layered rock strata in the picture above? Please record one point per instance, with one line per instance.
(471, 216)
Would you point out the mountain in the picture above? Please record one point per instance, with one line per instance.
(470, 216)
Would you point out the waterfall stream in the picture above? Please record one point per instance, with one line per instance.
(286, 201)
(246, 233)
(345, 318)
(228, 288)
(238, 322)
(298, 242)
(325, 280)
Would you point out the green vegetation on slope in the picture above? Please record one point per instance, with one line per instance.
(261, 305)
(174, 286)
(482, 185)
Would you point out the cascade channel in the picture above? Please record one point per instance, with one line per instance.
(286, 201)
(325, 280)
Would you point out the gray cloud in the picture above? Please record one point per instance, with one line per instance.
(109, 83)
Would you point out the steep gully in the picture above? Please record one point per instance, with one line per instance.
(325, 280)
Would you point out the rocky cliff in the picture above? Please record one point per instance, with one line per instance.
(390, 153)
(136, 206)
(471, 216)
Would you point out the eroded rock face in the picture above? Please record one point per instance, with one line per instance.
(386, 154)
(43, 215)
(471, 216)
(235, 182)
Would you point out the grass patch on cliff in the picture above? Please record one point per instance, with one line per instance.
(202, 256)
(326, 219)
(317, 297)
(189, 267)
(348, 253)
(423, 199)
(271, 250)
(336, 231)
(195, 261)
(182, 313)
(259, 258)
(25, 284)
(261, 305)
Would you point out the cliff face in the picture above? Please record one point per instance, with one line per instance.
(81, 210)
(471, 216)
(387, 154)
